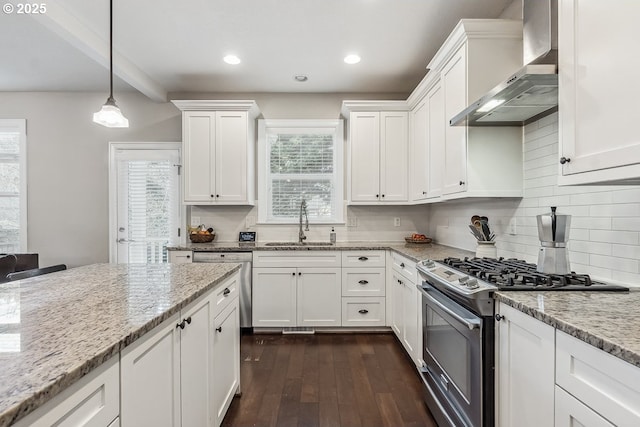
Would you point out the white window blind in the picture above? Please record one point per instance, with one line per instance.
(302, 160)
(13, 237)
(150, 188)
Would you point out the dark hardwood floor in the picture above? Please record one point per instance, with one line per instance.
(330, 380)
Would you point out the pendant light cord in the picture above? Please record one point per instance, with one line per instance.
(111, 49)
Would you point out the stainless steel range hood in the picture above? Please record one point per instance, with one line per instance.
(532, 92)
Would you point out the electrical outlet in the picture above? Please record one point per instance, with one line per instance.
(396, 222)
(512, 227)
(195, 221)
(352, 221)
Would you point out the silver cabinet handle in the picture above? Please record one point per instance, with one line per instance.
(363, 282)
(363, 311)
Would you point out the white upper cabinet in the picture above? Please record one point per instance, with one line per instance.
(598, 92)
(378, 155)
(419, 149)
(478, 161)
(218, 152)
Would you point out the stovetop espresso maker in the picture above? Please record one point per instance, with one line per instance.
(553, 231)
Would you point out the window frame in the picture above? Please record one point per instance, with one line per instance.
(336, 126)
(21, 126)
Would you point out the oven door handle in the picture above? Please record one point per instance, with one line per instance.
(469, 323)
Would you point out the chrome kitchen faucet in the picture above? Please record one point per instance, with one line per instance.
(303, 208)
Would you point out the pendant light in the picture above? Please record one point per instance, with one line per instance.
(110, 115)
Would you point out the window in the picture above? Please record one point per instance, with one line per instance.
(13, 186)
(300, 159)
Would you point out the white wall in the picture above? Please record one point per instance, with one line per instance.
(67, 160)
(605, 223)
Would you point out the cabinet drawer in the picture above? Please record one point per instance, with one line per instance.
(368, 282)
(405, 267)
(291, 259)
(225, 293)
(363, 258)
(570, 412)
(608, 385)
(92, 401)
(363, 311)
(180, 257)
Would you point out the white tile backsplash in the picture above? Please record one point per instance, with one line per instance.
(605, 231)
(375, 223)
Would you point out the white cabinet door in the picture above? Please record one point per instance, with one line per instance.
(525, 355)
(364, 144)
(599, 91)
(410, 302)
(319, 297)
(454, 87)
(436, 137)
(231, 156)
(226, 360)
(198, 135)
(397, 305)
(150, 378)
(196, 353)
(570, 412)
(274, 297)
(419, 163)
(394, 143)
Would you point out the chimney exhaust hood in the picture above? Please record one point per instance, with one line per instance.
(532, 92)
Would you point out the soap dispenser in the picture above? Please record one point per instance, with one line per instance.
(332, 236)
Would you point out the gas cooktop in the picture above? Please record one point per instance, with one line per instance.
(510, 274)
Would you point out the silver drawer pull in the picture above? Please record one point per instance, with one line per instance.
(363, 282)
(226, 292)
(363, 311)
(363, 258)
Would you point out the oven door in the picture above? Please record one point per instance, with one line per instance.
(453, 359)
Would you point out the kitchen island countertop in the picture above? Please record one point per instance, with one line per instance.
(58, 327)
(606, 320)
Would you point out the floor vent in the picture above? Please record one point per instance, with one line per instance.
(298, 330)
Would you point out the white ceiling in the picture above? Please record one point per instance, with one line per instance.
(166, 46)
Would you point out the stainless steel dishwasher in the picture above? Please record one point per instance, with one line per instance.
(245, 259)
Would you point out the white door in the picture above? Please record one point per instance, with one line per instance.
(145, 209)
(319, 297)
(365, 157)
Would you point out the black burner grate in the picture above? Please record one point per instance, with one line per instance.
(515, 274)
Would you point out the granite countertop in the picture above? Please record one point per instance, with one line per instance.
(414, 251)
(606, 320)
(56, 328)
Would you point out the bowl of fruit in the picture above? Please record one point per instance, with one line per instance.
(417, 238)
(201, 234)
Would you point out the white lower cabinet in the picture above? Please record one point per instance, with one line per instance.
(363, 288)
(226, 358)
(168, 377)
(524, 370)
(570, 412)
(93, 401)
(293, 289)
(606, 384)
(545, 377)
(406, 316)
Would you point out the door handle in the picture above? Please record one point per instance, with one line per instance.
(363, 311)
(363, 282)
(363, 258)
(226, 292)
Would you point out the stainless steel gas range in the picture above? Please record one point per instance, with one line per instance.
(458, 329)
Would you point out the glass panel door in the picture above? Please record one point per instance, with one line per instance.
(148, 204)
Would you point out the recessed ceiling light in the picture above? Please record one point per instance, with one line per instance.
(300, 78)
(352, 59)
(231, 59)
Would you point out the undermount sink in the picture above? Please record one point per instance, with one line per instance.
(299, 244)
